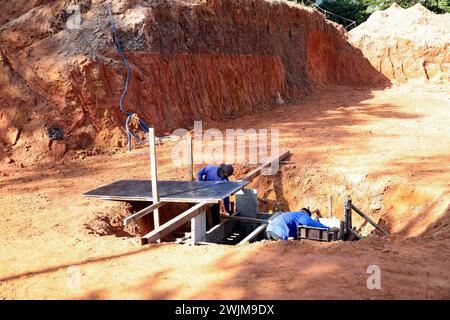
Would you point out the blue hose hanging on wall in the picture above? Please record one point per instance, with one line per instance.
(144, 127)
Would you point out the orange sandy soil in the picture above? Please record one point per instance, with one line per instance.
(392, 143)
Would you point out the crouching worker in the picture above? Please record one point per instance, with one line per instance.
(286, 224)
(217, 173)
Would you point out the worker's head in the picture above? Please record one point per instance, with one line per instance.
(226, 170)
(306, 210)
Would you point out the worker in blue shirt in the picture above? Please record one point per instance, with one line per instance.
(286, 224)
(217, 173)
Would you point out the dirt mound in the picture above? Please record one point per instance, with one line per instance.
(110, 222)
(189, 60)
(406, 44)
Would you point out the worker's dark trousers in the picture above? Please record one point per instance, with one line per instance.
(215, 215)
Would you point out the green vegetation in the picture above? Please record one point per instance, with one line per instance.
(360, 10)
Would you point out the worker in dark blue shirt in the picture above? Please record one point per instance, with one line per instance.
(217, 173)
(286, 224)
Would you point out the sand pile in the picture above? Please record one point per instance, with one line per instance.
(406, 44)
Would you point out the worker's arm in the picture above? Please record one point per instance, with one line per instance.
(200, 174)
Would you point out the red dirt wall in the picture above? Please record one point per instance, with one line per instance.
(189, 61)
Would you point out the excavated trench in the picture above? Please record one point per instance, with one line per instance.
(228, 232)
(110, 222)
(403, 210)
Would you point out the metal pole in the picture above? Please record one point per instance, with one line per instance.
(362, 214)
(348, 216)
(154, 173)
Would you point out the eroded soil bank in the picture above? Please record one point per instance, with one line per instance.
(189, 60)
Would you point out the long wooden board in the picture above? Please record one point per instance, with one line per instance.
(154, 174)
(142, 213)
(256, 172)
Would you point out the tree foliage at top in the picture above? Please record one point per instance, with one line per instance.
(360, 10)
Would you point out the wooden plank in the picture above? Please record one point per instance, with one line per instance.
(256, 172)
(330, 206)
(198, 228)
(253, 234)
(362, 214)
(154, 173)
(247, 219)
(174, 223)
(191, 159)
(142, 213)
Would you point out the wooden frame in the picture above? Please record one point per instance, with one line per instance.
(256, 172)
(174, 223)
(198, 228)
(191, 159)
(154, 173)
(330, 206)
(142, 213)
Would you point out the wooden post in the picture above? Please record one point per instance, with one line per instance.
(191, 160)
(174, 223)
(154, 173)
(198, 228)
(330, 206)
